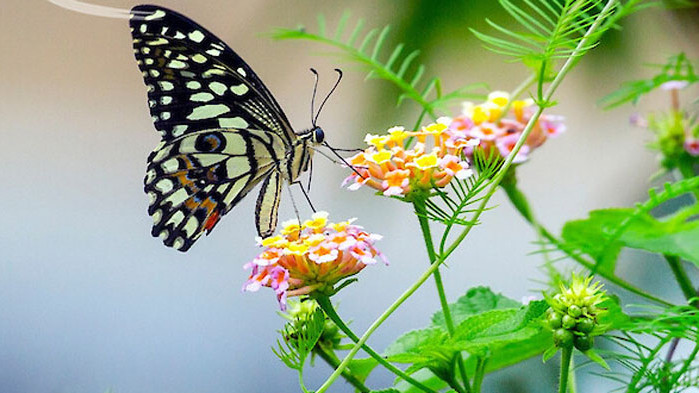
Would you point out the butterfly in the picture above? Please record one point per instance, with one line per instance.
(222, 130)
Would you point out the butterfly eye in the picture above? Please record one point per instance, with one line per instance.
(318, 135)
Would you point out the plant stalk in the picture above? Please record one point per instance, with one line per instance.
(566, 356)
(325, 304)
(690, 293)
(332, 359)
(421, 213)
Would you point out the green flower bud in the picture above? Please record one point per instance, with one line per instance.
(574, 311)
(584, 342)
(585, 325)
(554, 320)
(563, 338)
(568, 322)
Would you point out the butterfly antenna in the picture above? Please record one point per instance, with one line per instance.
(313, 98)
(339, 78)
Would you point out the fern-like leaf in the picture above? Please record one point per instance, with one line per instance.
(397, 67)
(548, 30)
(677, 68)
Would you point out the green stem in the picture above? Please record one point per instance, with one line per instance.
(421, 213)
(566, 355)
(332, 359)
(690, 293)
(572, 384)
(480, 373)
(301, 384)
(687, 170)
(517, 92)
(496, 180)
(378, 322)
(325, 303)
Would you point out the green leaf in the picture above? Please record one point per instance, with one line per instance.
(589, 237)
(605, 232)
(476, 300)
(361, 368)
(613, 318)
(549, 353)
(424, 376)
(592, 355)
(490, 326)
(486, 333)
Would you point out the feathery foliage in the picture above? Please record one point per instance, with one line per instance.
(398, 67)
(677, 68)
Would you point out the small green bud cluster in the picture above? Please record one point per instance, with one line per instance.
(573, 313)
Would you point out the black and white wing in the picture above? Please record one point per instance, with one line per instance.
(222, 130)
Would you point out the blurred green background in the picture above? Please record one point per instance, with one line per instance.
(90, 302)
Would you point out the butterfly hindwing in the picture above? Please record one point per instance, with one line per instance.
(195, 81)
(267, 208)
(194, 180)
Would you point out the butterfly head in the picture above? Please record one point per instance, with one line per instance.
(317, 135)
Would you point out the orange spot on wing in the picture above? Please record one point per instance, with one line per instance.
(211, 221)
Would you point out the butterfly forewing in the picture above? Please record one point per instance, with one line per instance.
(195, 81)
(222, 130)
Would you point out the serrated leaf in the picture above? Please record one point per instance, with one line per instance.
(486, 332)
(599, 237)
(476, 300)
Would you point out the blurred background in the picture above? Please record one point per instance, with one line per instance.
(89, 301)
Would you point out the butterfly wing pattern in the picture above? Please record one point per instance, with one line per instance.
(222, 130)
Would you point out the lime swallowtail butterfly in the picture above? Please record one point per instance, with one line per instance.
(222, 130)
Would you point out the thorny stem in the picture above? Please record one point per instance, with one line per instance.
(421, 213)
(325, 303)
(494, 185)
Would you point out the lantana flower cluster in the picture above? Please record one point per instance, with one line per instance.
(433, 161)
(498, 123)
(312, 256)
(443, 149)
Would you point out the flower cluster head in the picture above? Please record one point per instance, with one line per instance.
(395, 170)
(443, 149)
(574, 311)
(677, 133)
(312, 256)
(499, 122)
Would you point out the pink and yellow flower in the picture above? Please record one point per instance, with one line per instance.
(311, 257)
(433, 161)
(495, 128)
(444, 148)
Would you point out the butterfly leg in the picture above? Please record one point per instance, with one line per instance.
(293, 203)
(305, 194)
